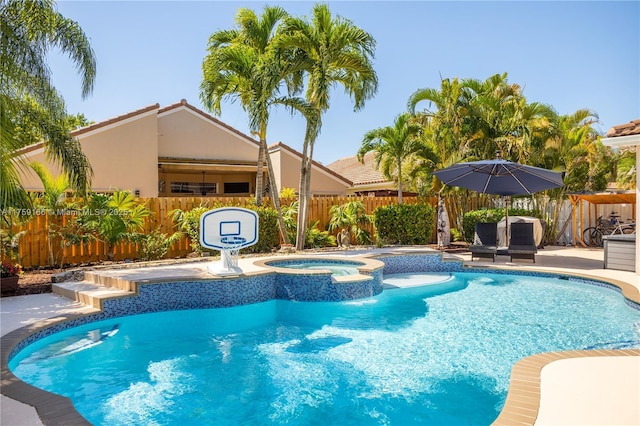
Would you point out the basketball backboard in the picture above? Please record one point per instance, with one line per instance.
(228, 228)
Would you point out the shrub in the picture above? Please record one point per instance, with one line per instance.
(155, 245)
(189, 223)
(317, 238)
(404, 224)
(268, 231)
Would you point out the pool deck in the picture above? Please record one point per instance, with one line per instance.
(573, 388)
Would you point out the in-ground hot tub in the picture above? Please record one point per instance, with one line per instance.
(338, 268)
(324, 278)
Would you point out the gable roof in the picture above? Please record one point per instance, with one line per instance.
(133, 115)
(96, 126)
(360, 173)
(115, 120)
(328, 171)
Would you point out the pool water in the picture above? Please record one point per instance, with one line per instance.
(338, 269)
(436, 354)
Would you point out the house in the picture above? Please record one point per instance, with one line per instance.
(367, 179)
(179, 150)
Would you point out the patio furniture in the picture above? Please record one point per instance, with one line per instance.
(522, 244)
(485, 241)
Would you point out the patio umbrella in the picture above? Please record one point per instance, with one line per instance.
(500, 177)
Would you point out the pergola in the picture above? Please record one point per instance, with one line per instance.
(594, 199)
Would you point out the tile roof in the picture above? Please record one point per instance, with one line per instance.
(91, 127)
(632, 128)
(357, 172)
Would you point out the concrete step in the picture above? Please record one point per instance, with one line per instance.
(87, 292)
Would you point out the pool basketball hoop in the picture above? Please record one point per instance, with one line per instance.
(228, 229)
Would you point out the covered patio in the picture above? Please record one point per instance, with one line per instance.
(624, 202)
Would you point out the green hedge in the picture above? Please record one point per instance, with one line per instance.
(470, 218)
(404, 224)
(268, 231)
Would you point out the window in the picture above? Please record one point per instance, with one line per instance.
(236, 187)
(197, 188)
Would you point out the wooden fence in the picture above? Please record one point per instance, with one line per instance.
(34, 250)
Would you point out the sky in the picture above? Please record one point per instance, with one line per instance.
(570, 55)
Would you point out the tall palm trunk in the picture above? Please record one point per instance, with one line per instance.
(274, 191)
(399, 181)
(303, 200)
(305, 184)
(259, 174)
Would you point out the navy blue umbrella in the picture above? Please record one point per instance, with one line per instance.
(500, 177)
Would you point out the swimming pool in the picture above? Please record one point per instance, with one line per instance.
(338, 363)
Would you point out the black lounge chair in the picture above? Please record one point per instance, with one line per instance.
(522, 245)
(485, 242)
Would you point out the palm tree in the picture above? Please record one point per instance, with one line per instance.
(332, 51)
(243, 63)
(444, 130)
(392, 146)
(351, 216)
(114, 218)
(51, 199)
(28, 30)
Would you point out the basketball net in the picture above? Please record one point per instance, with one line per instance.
(229, 255)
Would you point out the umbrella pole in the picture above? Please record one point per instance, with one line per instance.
(507, 198)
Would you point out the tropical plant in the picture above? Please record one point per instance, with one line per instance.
(626, 168)
(114, 218)
(353, 217)
(392, 147)
(314, 236)
(188, 222)
(332, 51)
(290, 216)
(445, 117)
(156, 244)
(52, 201)
(28, 29)
(288, 195)
(317, 238)
(242, 63)
(10, 233)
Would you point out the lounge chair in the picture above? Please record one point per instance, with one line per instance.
(522, 245)
(485, 242)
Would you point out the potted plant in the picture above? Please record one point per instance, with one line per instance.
(9, 276)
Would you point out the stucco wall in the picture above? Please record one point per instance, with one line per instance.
(123, 156)
(289, 174)
(185, 134)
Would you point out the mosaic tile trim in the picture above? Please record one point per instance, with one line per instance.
(419, 262)
(286, 262)
(323, 288)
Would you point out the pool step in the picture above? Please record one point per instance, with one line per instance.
(87, 292)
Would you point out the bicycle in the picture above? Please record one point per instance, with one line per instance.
(592, 236)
